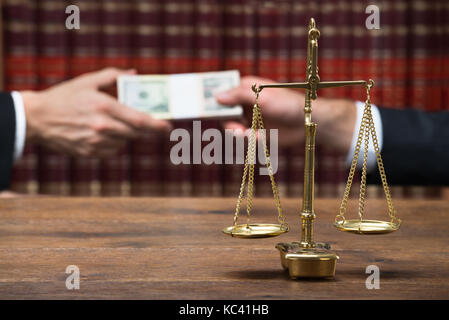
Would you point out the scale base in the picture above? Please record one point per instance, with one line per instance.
(303, 262)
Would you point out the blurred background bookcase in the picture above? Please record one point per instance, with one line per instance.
(193, 36)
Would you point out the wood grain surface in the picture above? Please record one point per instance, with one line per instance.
(173, 248)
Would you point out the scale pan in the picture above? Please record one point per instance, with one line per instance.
(366, 226)
(259, 230)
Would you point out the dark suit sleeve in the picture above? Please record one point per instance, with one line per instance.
(415, 148)
(7, 137)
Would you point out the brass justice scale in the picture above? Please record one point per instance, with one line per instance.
(306, 258)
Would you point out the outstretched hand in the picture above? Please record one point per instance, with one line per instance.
(75, 117)
(283, 109)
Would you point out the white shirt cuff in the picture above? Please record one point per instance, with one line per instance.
(19, 141)
(371, 160)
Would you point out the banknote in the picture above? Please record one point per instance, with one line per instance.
(179, 96)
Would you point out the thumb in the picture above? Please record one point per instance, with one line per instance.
(106, 76)
(237, 95)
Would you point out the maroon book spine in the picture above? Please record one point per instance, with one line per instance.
(146, 168)
(53, 172)
(206, 178)
(54, 166)
(85, 177)
(24, 177)
(115, 179)
(84, 56)
(295, 171)
(177, 178)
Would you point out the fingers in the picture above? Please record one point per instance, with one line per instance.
(104, 77)
(236, 126)
(287, 137)
(99, 145)
(137, 120)
(110, 127)
(107, 151)
(239, 129)
(9, 194)
(237, 95)
(241, 94)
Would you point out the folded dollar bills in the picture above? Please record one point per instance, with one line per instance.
(179, 96)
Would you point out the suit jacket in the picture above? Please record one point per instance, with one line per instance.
(7, 137)
(415, 147)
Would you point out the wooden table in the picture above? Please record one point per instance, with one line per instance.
(173, 248)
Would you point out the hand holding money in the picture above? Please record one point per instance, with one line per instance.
(283, 109)
(179, 96)
(75, 117)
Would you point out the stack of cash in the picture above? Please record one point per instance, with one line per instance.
(179, 96)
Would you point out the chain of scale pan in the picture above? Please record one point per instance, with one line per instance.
(340, 217)
(366, 128)
(257, 123)
(248, 171)
(365, 122)
(274, 188)
(383, 176)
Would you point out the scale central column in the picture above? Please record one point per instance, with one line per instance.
(307, 259)
(307, 212)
